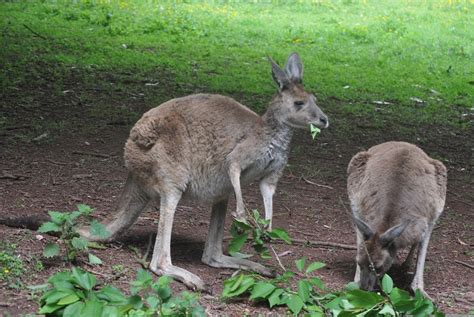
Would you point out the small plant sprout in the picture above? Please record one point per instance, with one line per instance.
(65, 223)
(314, 131)
(255, 226)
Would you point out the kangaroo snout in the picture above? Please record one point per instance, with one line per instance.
(324, 121)
(321, 121)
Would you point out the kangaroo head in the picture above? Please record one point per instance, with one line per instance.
(379, 250)
(295, 107)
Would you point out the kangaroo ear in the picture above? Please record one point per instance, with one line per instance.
(294, 68)
(363, 228)
(279, 76)
(391, 234)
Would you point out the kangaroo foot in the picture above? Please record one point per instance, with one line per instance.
(189, 279)
(224, 261)
(239, 216)
(415, 286)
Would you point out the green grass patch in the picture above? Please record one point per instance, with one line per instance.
(419, 56)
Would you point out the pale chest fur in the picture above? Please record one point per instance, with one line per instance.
(272, 159)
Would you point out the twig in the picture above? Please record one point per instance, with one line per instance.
(143, 260)
(81, 176)
(307, 233)
(315, 184)
(462, 201)
(285, 253)
(91, 154)
(344, 206)
(278, 259)
(464, 301)
(55, 162)
(7, 175)
(453, 193)
(35, 33)
(96, 273)
(18, 127)
(325, 244)
(148, 218)
(312, 242)
(4, 304)
(459, 200)
(465, 264)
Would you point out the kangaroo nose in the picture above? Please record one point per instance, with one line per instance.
(324, 121)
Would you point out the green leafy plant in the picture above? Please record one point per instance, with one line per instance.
(159, 300)
(254, 227)
(76, 293)
(37, 264)
(280, 291)
(390, 301)
(11, 266)
(302, 292)
(314, 131)
(65, 223)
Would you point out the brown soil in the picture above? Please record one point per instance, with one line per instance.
(58, 172)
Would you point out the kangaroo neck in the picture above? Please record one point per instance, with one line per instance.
(279, 133)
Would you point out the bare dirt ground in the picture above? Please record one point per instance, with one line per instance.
(83, 164)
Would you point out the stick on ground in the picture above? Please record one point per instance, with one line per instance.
(315, 184)
(91, 154)
(325, 244)
(465, 264)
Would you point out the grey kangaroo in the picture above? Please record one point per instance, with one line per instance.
(397, 193)
(203, 148)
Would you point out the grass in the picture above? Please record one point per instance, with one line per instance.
(355, 52)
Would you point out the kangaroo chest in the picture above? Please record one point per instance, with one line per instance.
(273, 160)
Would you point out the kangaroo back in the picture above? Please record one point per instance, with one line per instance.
(395, 182)
(397, 193)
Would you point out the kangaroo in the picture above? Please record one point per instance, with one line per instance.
(397, 193)
(202, 148)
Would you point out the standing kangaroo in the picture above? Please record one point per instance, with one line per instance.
(202, 148)
(397, 193)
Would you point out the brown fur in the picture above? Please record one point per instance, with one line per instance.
(203, 148)
(393, 184)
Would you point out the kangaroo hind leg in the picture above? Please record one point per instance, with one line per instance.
(213, 255)
(132, 202)
(161, 260)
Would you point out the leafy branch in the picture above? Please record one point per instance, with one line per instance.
(254, 227)
(308, 294)
(65, 223)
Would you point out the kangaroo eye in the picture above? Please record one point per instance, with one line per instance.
(298, 104)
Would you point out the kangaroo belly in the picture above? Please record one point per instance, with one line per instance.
(212, 184)
(208, 189)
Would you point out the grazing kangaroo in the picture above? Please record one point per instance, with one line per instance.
(397, 193)
(202, 148)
